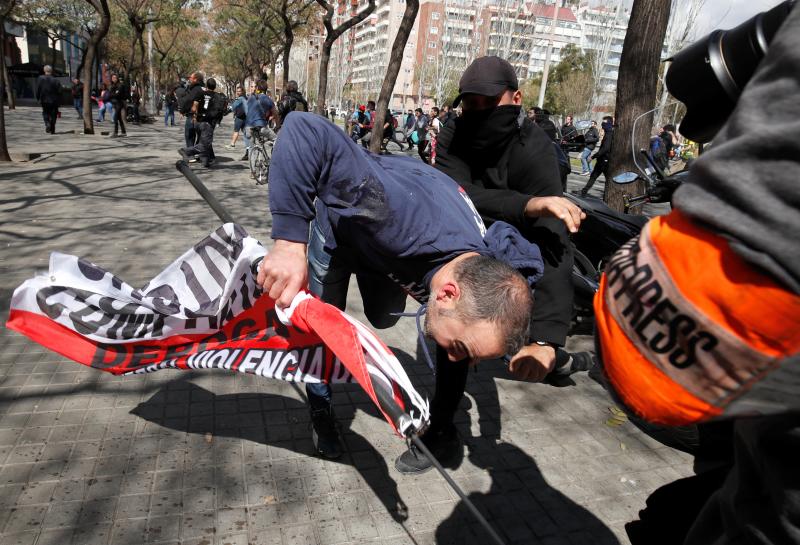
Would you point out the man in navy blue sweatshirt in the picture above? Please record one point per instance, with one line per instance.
(404, 229)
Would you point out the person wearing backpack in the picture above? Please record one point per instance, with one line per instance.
(662, 145)
(358, 123)
(239, 110)
(207, 114)
(291, 101)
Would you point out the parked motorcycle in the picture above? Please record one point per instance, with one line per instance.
(605, 230)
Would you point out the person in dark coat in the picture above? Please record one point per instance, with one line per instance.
(542, 118)
(119, 98)
(508, 167)
(568, 130)
(48, 93)
(602, 155)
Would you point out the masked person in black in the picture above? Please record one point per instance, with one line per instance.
(508, 167)
(602, 156)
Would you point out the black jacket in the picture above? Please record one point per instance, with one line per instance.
(591, 137)
(119, 94)
(605, 146)
(526, 167)
(48, 90)
(568, 132)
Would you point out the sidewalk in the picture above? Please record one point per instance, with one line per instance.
(214, 458)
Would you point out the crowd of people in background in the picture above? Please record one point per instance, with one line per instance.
(418, 129)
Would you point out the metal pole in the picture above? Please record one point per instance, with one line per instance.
(550, 40)
(471, 506)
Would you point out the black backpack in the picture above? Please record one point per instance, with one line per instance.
(216, 107)
(291, 103)
(182, 97)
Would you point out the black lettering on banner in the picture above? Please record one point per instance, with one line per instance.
(238, 329)
(274, 323)
(52, 310)
(200, 295)
(178, 350)
(210, 262)
(118, 353)
(142, 355)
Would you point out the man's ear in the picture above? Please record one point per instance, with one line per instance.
(517, 98)
(448, 294)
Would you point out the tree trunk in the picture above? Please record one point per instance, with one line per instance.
(636, 92)
(322, 88)
(287, 49)
(4, 156)
(395, 60)
(6, 79)
(101, 7)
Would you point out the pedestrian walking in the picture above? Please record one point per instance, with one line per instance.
(193, 94)
(239, 110)
(119, 99)
(48, 93)
(590, 139)
(77, 96)
(602, 156)
(420, 134)
(170, 102)
(136, 100)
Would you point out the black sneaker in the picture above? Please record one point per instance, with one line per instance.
(444, 445)
(575, 363)
(182, 152)
(114, 136)
(325, 433)
(246, 156)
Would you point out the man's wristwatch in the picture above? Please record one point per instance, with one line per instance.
(545, 343)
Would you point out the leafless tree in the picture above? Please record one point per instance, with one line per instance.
(331, 35)
(395, 60)
(6, 7)
(636, 88)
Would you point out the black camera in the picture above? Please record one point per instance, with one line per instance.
(709, 75)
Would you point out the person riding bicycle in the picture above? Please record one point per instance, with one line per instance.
(260, 110)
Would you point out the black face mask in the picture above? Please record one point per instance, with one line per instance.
(487, 131)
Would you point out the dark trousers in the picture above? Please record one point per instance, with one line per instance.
(189, 132)
(451, 381)
(600, 167)
(119, 118)
(205, 142)
(50, 114)
(421, 150)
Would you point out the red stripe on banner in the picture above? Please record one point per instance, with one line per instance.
(255, 328)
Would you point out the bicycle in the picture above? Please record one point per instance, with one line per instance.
(260, 155)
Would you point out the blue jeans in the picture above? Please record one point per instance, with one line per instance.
(78, 104)
(585, 165)
(329, 278)
(169, 113)
(189, 132)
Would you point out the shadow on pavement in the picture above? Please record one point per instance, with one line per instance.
(520, 505)
(203, 412)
